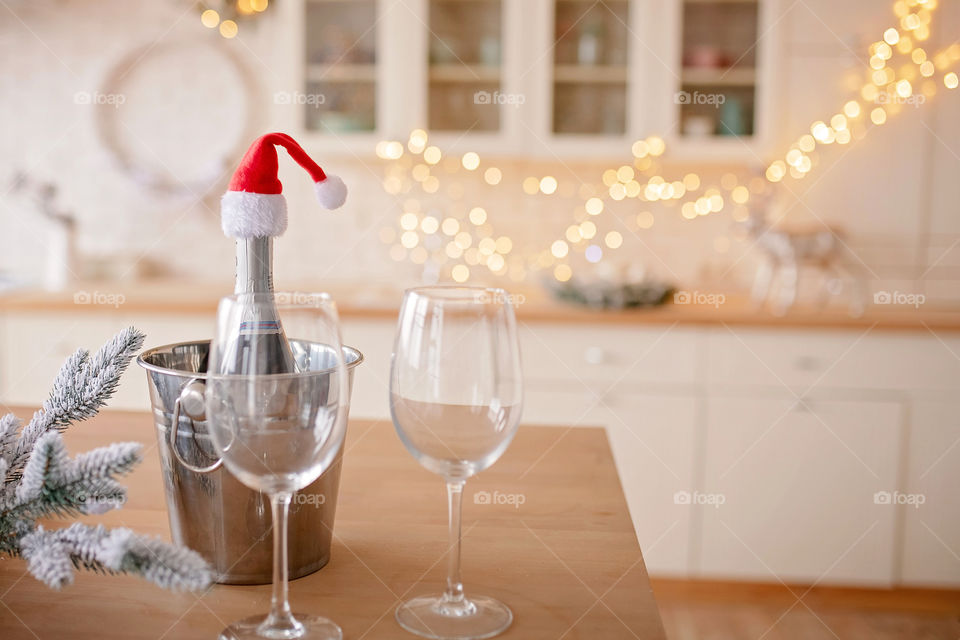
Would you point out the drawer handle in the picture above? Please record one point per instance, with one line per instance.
(595, 355)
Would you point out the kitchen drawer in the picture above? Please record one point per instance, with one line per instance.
(791, 494)
(833, 359)
(661, 355)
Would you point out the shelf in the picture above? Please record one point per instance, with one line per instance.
(586, 74)
(469, 73)
(720, 77)
(341, 72)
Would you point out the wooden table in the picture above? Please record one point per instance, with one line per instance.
(566, 560)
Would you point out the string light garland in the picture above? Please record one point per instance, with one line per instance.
(228, 13)
(900, 72)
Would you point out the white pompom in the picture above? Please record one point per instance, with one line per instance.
(332, 192)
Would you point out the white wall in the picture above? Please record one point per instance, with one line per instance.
(895, 193)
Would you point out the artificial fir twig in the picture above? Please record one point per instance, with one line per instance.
(40, 480)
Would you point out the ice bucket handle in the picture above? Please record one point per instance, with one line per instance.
(192, 395)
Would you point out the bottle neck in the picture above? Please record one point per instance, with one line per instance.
(254, 265)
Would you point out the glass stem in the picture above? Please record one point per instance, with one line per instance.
(454, 592)
(280, 622)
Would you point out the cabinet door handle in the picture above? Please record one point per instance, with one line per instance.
(595, 355)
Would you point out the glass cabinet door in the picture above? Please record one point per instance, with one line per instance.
(341, 57)
(717, 95)
(464, 50)
(590, 67)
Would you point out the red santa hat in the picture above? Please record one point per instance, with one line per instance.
(254, 206)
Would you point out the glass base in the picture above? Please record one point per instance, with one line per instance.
(307, 627)
(439, 618)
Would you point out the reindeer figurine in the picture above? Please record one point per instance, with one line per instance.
(786, 251)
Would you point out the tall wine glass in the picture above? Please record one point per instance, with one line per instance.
(278, 431)
(455, 397)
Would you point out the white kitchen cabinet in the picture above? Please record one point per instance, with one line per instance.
(931, 534)
(797, 490)
(652, 439)
(547, 78)
(691, 413)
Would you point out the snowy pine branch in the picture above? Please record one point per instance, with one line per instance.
(52, 557)
(40, 480)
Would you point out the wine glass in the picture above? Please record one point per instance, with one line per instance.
(277, 411)
(456, 396)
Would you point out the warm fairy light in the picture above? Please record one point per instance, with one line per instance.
(851, 110)
(409, 221)
(927, 69)
(625, 173)
(588, 229)
(613, 239)
(640, 149)
(487, 246)
(573, 234)
(950, 80)
(878, 116)
(228, 29)
(496, 263)
(562, 272)
(431, 155)
(691, 181)
(656, 145)
(919, 56)
(559, 249)
(463, 240)
(259, 5)
(548, 185)
(393, 150)
(504, 245)
(644, 219)
(594, 206)
(891, 36)
(593, 253)
(420, 172)
(839, 121)
(904, 90)
(460, 273)
(450, 226)
(470, 161)
(740, 194)
(210, 18)
(409, 239)
(531, 185)
(429, 225)
(431, 184)
(418, 141)
(453, 250)
(610, 177)
(478, 215)
(618, 192)
(492, 176)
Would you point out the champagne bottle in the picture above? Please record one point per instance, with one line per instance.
(261, 346)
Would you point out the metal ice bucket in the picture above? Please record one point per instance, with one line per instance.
(210, 511)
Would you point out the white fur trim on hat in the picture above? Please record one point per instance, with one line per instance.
(331, 193)
(253, 215)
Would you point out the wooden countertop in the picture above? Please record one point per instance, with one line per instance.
(566, 561)
(380, 302)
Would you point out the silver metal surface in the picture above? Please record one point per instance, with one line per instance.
(211, 511)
